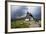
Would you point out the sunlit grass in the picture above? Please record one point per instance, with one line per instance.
(24, 24)
(19, 24)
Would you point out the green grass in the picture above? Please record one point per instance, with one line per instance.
(19, 24)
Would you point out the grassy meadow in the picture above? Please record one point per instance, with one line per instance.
(21, 23)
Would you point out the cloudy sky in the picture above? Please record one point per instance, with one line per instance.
(20, 11)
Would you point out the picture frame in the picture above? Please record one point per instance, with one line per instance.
(8, 9)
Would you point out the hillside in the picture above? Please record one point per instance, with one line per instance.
(25, 24)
